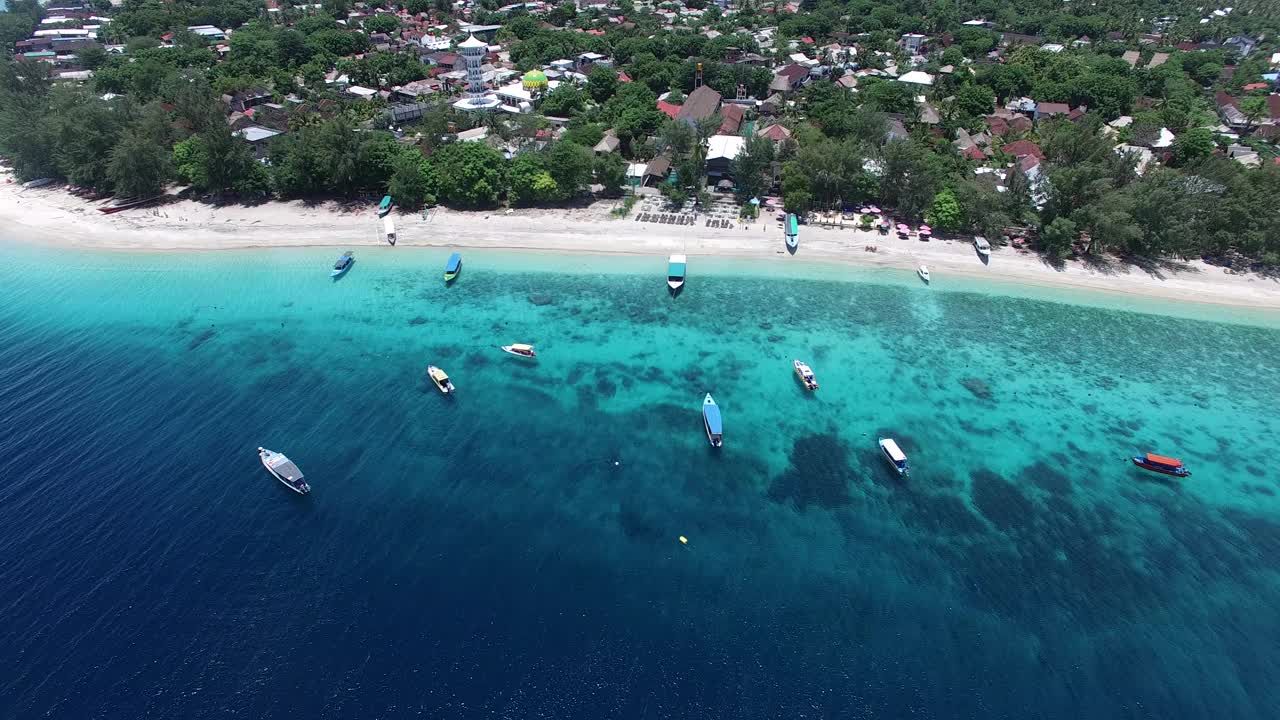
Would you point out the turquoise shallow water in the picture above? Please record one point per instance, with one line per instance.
(512, 551)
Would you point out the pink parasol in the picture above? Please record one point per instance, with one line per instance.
(903, 228)
(873, 209)
(925, 229)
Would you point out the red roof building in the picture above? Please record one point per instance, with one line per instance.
(973, 152)
(624, 78)
(670, 109)
(731, 119)
(1023, 148)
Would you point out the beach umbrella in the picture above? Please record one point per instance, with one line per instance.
(873, 209)
(755, 201)
(903, 228)
(925, 229)
(865, 210)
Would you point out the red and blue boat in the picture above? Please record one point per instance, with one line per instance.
(1161, 464)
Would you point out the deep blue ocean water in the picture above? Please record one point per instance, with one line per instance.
(512, 551)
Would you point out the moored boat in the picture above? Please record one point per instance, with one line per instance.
(520, 350)
(452, 267)
(711, 421)
(343, 264)
(806, 375)
(1161, 464)
(676, 268)
(283, 469)
(792, 231)
(440, 379)
(982, 246)
(384, 207)
(897, 459)
(923, 272)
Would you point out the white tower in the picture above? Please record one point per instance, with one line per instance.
(473, 52)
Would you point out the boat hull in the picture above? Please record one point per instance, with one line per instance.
(510, 351)
(298, 484)
(711, 422)
(443, 384)
(1142, 463)
(810, 383)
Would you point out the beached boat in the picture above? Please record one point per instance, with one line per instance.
(343, 264)
(520, 350)
(452, 267)
(897, 460)
(806, 375)
(982, 246)
(38, 183)
(283, 469)
(440, 379)
(1161, 464)
(923, 272)
(676, 267)
(384, 207)
(711, 421)
(122, 204)
(793, 231)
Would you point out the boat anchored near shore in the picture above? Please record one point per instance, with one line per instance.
(520, 350)
(676, 268)
(283, 469)
(452, 268)
(343, 264)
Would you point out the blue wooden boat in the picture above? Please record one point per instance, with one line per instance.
(1161, 464)
(343, 264)
(384, 207)
(676, 268)
(453, 267)
(793, 231)
(711, 421)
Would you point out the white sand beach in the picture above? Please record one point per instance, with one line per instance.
(53, 217)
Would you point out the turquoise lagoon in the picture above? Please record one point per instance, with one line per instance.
(512, 551)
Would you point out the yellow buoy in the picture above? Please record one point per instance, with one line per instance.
(684, 540)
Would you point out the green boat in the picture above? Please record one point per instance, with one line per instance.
(384, 207)
(453, 267)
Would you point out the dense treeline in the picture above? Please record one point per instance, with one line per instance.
(120, 145)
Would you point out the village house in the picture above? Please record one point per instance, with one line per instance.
(789, 78)
(701, 104)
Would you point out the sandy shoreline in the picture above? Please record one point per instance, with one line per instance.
(53, 217)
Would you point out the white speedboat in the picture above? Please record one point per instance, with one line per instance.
(520, 350)
(923, 272)
(892, 453)
(805, 373)
(283, 469)
(440, 379)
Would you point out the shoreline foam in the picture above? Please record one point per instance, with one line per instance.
(50, 217)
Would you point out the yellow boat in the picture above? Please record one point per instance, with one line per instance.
(440, 378)
(806, 375)
(520, 350)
